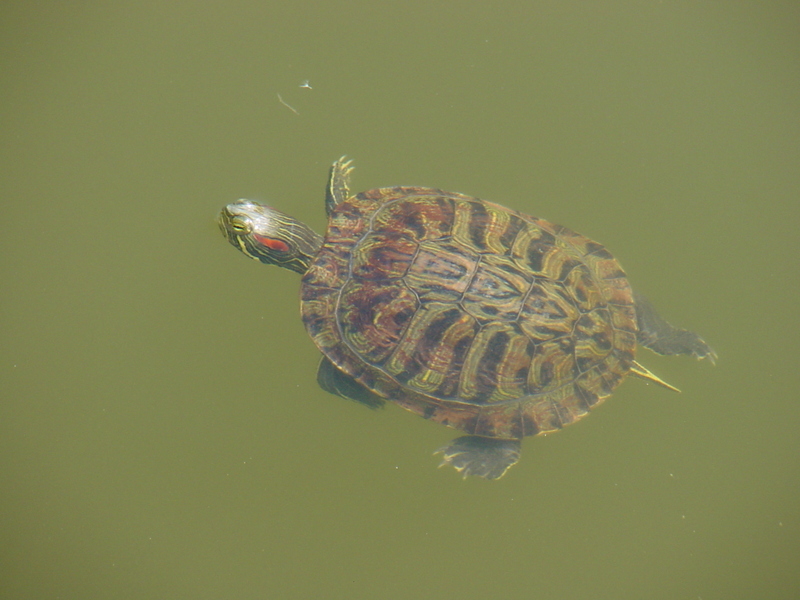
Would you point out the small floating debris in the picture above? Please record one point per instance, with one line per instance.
(291, 108)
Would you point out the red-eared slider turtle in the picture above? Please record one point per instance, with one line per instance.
(462, 311)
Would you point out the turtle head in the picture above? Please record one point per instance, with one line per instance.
(268, 235)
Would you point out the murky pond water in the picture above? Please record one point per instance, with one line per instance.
(161, 430)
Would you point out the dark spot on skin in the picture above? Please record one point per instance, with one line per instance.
(487, 372)
(545, 375)
(580, 293)
(597, 250)
(588, 398)
(437, 328)
(412, 368)
(529, 426)
(567, 268)
(602, 341)
(414, 222)
(478, 221)
(566, 345)
(536, 253)
(584, 363)
(444, 221)
(618, 274)
(515, 225)
(401, 317)
(460, 352)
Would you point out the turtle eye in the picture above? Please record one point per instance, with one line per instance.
(240, 225)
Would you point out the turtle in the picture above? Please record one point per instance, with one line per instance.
(467, 313)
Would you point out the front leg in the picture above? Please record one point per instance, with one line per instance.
(336, 382)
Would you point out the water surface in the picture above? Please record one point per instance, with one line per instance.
(161, 432)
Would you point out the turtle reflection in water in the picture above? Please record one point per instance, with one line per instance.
(467, 313)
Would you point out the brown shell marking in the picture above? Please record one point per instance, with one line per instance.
(467, 313)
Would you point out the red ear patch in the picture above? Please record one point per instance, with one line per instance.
(272, 243)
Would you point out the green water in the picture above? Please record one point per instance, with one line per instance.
(161, 432)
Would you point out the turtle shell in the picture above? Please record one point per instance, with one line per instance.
(467, 313)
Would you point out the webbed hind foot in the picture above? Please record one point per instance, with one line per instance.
(480, 456)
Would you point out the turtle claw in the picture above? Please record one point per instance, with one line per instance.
(484, 457)
(705, 351)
